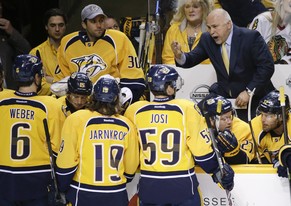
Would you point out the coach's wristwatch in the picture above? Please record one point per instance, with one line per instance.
(249, 91)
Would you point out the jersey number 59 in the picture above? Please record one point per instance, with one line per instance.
(161, 145)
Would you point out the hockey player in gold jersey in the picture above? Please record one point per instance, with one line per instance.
(25, 171)
(98, 51)
(168, 138)
(268, 129)
(55, 22)
(78, 92)
(99, 150)
(234, 138)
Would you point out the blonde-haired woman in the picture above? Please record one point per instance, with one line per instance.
(187, 25)
(275, 27)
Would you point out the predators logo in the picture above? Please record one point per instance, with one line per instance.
(91, 65)
(278, 47)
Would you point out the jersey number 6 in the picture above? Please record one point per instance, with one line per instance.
(20, 145)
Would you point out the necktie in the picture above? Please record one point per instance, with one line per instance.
(225, 57)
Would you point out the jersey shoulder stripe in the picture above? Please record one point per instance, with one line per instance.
(18, 101)
(107, 120)
(72, 41)
(71, 38)
(159, 107)
(109, 40)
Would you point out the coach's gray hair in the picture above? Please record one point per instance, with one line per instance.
(221, 13)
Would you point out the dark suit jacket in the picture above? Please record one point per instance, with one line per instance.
(251, 63)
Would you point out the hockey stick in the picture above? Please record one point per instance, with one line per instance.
(57, 194)
(152, 30)
(146, 43)
(215, 147)
(251, 127)
(159, 35)
(286, 141)
(142, 33)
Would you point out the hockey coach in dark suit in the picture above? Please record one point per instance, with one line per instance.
(240, 57)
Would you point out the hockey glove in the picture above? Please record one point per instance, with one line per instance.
(125, 97)
(60, 88)
(281, 170)
(227, 142)
(285, 156)
(224, 179)
(55, 199)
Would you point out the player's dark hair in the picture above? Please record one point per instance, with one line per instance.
(24, 84)
(164, 93)
(54, 12)
(105, 108)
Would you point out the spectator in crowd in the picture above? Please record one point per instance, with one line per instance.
(12, 44)
(78, 92)
(275, 27)
(168, 138)
(99, 150)
(187, 25)
(242, 12)
(25, 171)
(98, 51)
(55, 22)
(111, 23)
(240, 57)
(234, 138)
(269, 129)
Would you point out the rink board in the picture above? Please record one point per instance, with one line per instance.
(198, 79)
(254, 185)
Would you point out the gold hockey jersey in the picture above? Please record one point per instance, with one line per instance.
(268, 144)
(24, 158)
(111, 54)
(168, 139)
(98, 153)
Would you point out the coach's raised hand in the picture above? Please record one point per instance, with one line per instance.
(176, 48)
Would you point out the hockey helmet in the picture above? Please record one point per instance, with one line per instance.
(210, 106)
(79, 83)
(159, 76)
(271, 103)
(25, 67)
(106, 89)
